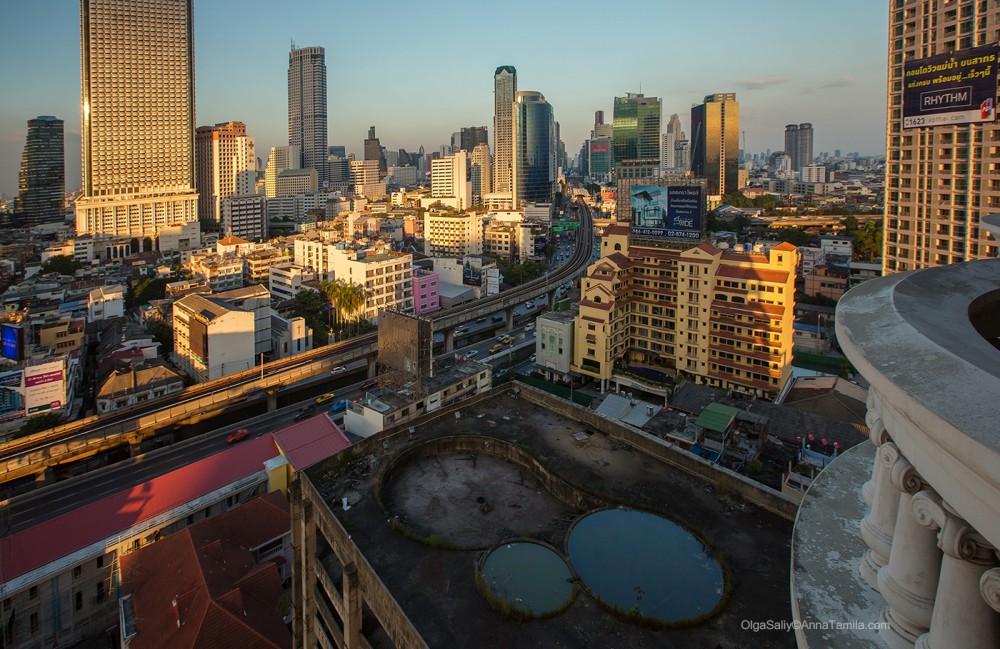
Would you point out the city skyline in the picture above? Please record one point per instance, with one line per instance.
(842, 92)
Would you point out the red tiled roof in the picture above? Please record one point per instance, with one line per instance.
(205, 577)
(57, 537)
(758, 274)
(310, 441)
(784, 245)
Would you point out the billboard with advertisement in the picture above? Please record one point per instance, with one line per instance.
(954, 88)
(598, 148)
(44, 387)
(667, 211)
(11, 395)
(12, 341)
(472, 271)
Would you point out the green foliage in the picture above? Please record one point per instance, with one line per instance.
(868, 238)
(819, 300)
(794, 236)
(516, 273)
(40, 423)
(62, 264)
(148, 289)
(163, 334)
(308, 305)
(348, 303)
(737, 199)
(736, 224)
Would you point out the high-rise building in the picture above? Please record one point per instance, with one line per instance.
(42, 183)
(504, 92)
(668, 148)
(636, 129)
(939, 179)
(137, 80)
(534, 158)
(281, 158)
(226, 166)
(481, 172)
(307, 107)
(715, 135)
(374, 151)
(472, 136)
(799, 145)
(450, 182)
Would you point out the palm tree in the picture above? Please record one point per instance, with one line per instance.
(353, 300)
(333, 292)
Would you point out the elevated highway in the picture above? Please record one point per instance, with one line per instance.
(80, 439)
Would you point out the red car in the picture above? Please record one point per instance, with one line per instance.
(237, 435)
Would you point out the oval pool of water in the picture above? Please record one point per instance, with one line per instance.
(530, 577)
(645, 565)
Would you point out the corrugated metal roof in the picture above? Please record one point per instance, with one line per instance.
(717, 417)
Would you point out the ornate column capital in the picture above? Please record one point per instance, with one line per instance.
(903, 475)
(989, 588)
(956, 537)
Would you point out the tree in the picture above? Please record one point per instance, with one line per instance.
(163, 334)
(62, 264)
(308, 305)
(148, 289)
(40, 423)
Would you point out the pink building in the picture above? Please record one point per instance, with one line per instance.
(426, 291)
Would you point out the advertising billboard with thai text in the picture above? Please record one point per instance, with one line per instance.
(667, 212)
(44, 387)
(954, 88)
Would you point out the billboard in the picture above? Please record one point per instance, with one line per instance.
(597, 148)
(405, 343)
(955, 88)
(539, 245)
(11, 341)
(32, 390)
(472, 271)
(667, 212)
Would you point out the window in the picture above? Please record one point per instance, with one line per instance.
(33, 592)
(100, 591)
(76, 572)
(34, 623)
(100, 561)
(77, 601)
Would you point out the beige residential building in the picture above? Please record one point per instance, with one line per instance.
(281, 158)
(257, 266)
(480, 172)
(940, 180)
(290, 182)
(220, 272)
(366, 178)
(450, 184)
(211, 338)
(722, 318)
(453, 235)
(137, 79)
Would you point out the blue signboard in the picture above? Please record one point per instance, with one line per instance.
(667, 212)
(11, 341)
(954, 88)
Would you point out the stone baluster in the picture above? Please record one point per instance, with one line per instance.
(962, 617)
(877, 527)
(877, 434)
(909, 581)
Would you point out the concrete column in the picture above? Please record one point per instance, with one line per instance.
(371, 366)
(352, 607)
(962, 617)
(877, 526)
(909, 581)
(304, 569)
(449, 340)
(134, 447)
(552, 299)
(509, 313)
(45, 476)
(272, 400)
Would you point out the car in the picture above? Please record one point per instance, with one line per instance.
(340, 406)
(305, 411)
(532, 359)
(529, 327)
(481, 319)
(529, 305)
(501, 373)
(340, 369)
(508, 340)
(495, 348)
(237, 435)
(370, 383)
(474, 352)
(501, 337)
(496, 318)
(323, 398)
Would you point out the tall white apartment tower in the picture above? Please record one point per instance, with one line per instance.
(504, 92)
(281, 158)
(307, 107)
(227, 166)
(137, 79)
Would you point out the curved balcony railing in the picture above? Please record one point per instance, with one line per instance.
(933, 525)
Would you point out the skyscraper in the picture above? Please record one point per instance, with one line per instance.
(281, 158)
(472, 136)
(715, 135)
(799, 145)
(668, 148)
(481, 172)
(42, 182)
(940, 179)
(137, 79)
(534, 158)
(636, 129)
(374, 151)
(504, 92)
(307, 107)
(226, 165)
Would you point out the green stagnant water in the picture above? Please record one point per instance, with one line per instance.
(644, 564)
(530, 576)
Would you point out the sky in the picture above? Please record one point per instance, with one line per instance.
(421, 71)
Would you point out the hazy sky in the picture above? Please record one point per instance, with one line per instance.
(420, 71)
